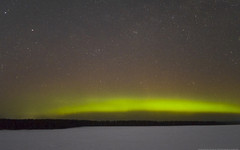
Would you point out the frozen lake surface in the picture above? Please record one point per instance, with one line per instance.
(124, 138)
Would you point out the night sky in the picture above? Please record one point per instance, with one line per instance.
(119, 58)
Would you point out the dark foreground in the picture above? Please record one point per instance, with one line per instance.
(15, 124)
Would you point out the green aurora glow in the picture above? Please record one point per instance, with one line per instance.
(120, 60)
(112, 105)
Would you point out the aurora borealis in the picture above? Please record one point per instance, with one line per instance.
(131, 104)
(60, 59)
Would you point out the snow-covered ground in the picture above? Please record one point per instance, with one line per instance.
(124, 138)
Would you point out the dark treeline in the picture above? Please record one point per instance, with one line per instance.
(16, 124)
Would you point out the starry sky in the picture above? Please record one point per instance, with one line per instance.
(94, 58)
